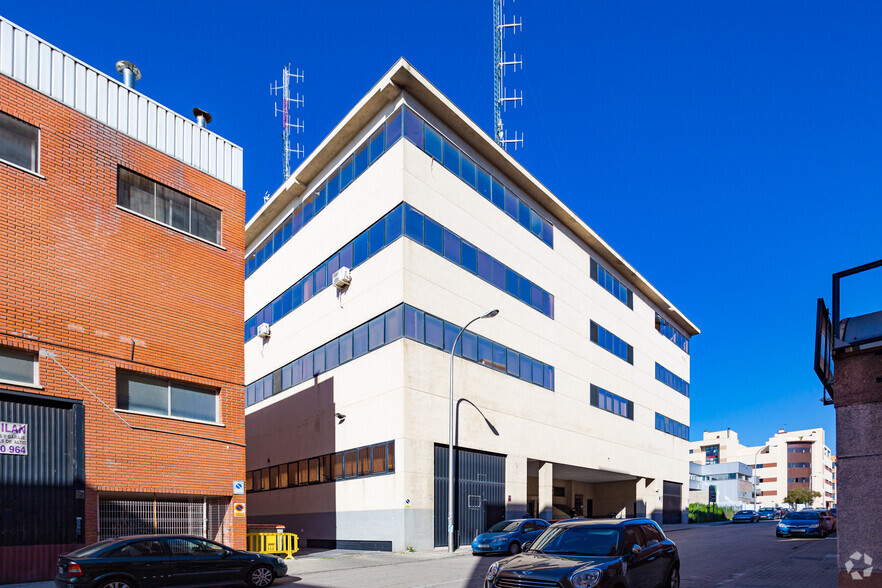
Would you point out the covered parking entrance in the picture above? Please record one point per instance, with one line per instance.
(560, 491)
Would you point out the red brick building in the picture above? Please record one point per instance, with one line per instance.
(121, 308)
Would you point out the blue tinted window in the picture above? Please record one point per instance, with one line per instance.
(297, 222)
(535, 223)
(378, 236)
(308, 287)
(346, 174)
(483, 183)
(333, 266)
(470, 346)
(319, 200)
(393, 129)
(467, 173)
(308, 211)
(286, 230)
(511, 204)
(333, 187)
(524, 215)
(277, 239)
(434, 144)
(377, 332)
(287, 301)
(513, 363)
(306, 367)
(277, 308)
(393, 224)
(321, 278)
(413, 224)
(498, 274)
(498, 195)
(318, 361)
(413, 128)
(346, 256)
(361, 161)
(345, 347)
(451, 157)
(549, 379)
(499, 357)
(485, 352)
(536, 297)
(377, 145)
(360, 249)
(450, 333)
(434, 236)
(526, 368)
(332, 354)
(451, 247)
(469, 257)
(547, 233)
(395, 324)
(511, 282)
(434, 331)
(287, 382)
(485, 267)
(414, 324)
(525, 290)
(360, 341)
(297, 294)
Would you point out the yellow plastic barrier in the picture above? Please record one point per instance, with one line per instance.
(286, 544)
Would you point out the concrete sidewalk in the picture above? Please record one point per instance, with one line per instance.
(670, 528)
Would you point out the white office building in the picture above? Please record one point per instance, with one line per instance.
(573, 399)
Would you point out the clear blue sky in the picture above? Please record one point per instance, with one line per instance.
(730, 151)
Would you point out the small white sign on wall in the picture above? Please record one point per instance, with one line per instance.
(13, 439)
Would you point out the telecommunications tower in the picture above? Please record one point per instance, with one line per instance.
(287, 124)
(500, 62)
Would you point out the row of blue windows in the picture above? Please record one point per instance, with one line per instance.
(430, 140)
(678, 338)
(401, 321)
(606, 400)
(612, 284)
(424, 231)
(340, 179)
(611, 343)
(667, 377)
(671, 427)
(427, 138)
(449, 245)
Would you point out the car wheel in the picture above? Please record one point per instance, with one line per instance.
(673, 580)
(116, 583)
(260, 576)
(514, 548)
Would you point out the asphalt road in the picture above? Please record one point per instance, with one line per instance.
(744, 555)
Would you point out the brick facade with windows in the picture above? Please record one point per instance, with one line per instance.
(94, 288)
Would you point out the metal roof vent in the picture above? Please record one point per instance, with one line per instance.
(129, 72)
(202, 117)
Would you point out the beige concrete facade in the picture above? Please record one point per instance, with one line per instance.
(561, 454)
(779, 462)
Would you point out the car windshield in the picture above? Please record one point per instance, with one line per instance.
(745, 512)
(802, 516)
(90, 549)
(504, 527)
(581, 540)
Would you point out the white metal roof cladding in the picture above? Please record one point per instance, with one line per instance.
(47, 69)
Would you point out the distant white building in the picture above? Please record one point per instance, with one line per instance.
(733, 482)
(788, 460)
(575, 398)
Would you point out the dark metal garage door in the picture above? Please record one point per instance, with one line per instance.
(673, 496)
(479, 495)
(41, 493)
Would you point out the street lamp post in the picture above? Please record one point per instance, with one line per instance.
(488, 314)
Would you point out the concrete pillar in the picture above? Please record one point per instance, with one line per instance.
(546, 490)
(515, 486)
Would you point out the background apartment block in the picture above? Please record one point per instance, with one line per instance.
(788, 460)
(574, 398)
(120, 313)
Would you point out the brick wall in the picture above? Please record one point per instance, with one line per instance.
(104, 289)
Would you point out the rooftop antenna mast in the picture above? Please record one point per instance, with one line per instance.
(500, 62)
(287, 124)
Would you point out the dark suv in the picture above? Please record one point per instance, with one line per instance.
(592, 553)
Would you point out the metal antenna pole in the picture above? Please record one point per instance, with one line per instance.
(500, 62)
(287, 125)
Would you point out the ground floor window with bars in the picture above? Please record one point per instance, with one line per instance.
(203, 516)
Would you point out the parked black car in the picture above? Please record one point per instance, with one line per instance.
(592, 554)
(146, 561)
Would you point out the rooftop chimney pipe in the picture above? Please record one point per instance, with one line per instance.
(129, 72)
(202, 117)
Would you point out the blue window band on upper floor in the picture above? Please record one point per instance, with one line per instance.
(411, 323)
(671, 427)
(341, 178)
(611, 284)
(430, 140)
(611, 343)
(678, 338)
(606, 400)
(425, 231)
(669, 378)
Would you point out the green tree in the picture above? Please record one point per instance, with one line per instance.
(801, 496)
